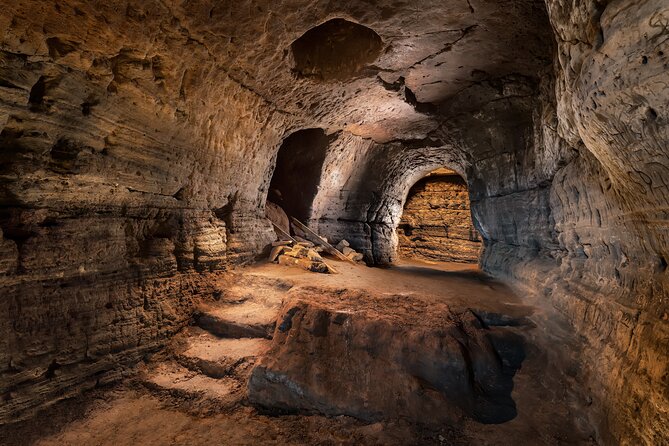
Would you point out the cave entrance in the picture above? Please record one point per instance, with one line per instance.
(298, 171)
(436, 223)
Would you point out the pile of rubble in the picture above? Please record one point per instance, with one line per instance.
(304, 254)
(307, 255)
(303, 247)
(344, 247)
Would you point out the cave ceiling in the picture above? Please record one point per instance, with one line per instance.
(404, 54)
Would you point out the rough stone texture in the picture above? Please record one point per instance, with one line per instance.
(386, 359)
(336, 49)
(609, 204)
(436, 221)
(76, 332)
(137, 144)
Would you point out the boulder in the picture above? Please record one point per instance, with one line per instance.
(385, 360)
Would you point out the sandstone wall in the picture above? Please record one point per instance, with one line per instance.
(604, 138)
(436, 222)
(609, 205)
(108, 211)
(137, 144)
(567, 180)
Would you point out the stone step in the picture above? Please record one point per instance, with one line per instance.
(261, 290)
(248, 319)
(219, 357)
(174, 379)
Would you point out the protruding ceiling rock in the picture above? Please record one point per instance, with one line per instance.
(335, 50)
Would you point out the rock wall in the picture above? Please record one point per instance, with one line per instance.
(107, 212)
(436, 222)
(597, 251)
(367, 185)
(567, 180)
(137, 144)
(609, 204)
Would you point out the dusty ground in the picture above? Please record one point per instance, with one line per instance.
(457, 284)
(549, 411)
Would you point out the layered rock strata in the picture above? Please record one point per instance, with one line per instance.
(138, 144)
(436, 222)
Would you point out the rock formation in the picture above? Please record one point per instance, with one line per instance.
(138, 142)
(436, 222)
(432, 360)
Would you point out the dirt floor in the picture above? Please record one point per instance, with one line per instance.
(550, 410)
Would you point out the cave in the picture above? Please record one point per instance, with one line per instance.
(480, 248)
(297, 172)
(436, 222)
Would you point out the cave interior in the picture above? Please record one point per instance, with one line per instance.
(334, 222)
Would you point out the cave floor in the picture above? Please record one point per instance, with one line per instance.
(550, 410)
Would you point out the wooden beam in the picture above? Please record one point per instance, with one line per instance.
(284, 233)
(318, 239)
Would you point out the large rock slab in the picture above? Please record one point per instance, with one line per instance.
(386, 357)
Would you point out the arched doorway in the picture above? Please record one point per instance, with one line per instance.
(436, 223)
(298, 172)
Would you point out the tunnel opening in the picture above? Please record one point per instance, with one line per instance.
(297, 172)
(436, 222)
(335, 50)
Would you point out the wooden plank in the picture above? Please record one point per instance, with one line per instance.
(317, 239)
(284, 233)
(332, 270)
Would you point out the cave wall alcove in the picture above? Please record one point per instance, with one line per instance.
(127, 181)
(335, 50)
(297, 173)
(436, 222)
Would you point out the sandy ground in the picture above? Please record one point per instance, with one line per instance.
(459, 285)
(550, 411)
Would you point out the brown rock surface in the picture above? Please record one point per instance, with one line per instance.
(138, 143)
(379, 357)
(194, 391)
(436, 221)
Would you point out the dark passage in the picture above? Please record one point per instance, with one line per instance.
(298, 171)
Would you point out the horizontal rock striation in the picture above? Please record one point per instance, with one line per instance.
(108, 215)
(138, 142)
(436, 221)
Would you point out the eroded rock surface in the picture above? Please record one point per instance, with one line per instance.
(137, 144)
(381, 357)
(436, 221)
